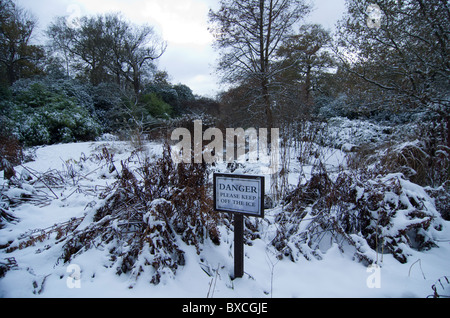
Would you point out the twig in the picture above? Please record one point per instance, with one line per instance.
(434, 288)
(42, 284)
(41, 181)
(272, 269)
(214, 279)
(420, 265)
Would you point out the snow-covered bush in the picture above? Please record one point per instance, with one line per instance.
(366, 214)
(6, 215)
(108, 106)
(44, 116)
(346, 134)
(417, 150)
(441, 196)
(176, 96)
(340, 106)
(150, 209)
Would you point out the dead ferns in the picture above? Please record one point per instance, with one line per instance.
(153, 208)
(144, 220)
(367, 215)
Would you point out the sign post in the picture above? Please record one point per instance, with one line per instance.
(240, 195)
(238, 245)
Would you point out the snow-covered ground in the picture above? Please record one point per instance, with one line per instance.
(38, 271)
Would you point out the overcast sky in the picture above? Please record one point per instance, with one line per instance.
(189, 58)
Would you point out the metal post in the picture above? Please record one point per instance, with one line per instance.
(238, 245)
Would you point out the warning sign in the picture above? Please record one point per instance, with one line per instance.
(239, 194)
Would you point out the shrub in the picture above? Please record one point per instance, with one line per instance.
(418, 151)
(155, 106)
(149, 208)
(11, 152)
(441, 196)
(371, 214)
(43, 116)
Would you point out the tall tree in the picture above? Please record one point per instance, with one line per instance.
(18, 57)
(107, 48)
(141, 47)
(248, 34)
(307, 56)
(402, 49)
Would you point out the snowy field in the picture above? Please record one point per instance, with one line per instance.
(38, 271)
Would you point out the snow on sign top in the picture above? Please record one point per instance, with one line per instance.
(239, 194)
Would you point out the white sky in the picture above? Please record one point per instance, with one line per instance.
(189, 58)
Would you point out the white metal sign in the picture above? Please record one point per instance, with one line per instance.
(239, 194)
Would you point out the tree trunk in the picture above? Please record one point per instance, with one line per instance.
(136, 81)
(264, 62)
(11, 74)
(308, 86)
(267, 105)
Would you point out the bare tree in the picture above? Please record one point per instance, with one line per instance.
(107, 48)
(140, 48)
(404, 55)
(18, 57)
(248, 34)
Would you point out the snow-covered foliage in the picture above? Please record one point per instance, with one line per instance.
(369, 214)
(46, 112)
(11, 154)
(413, 149)
(149, 208)
(133, 220)
(350, 135)
(146, 211)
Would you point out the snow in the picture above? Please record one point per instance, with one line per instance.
(40, 272)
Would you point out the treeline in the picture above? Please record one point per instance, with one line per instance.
(388, 60)
(94, 75)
